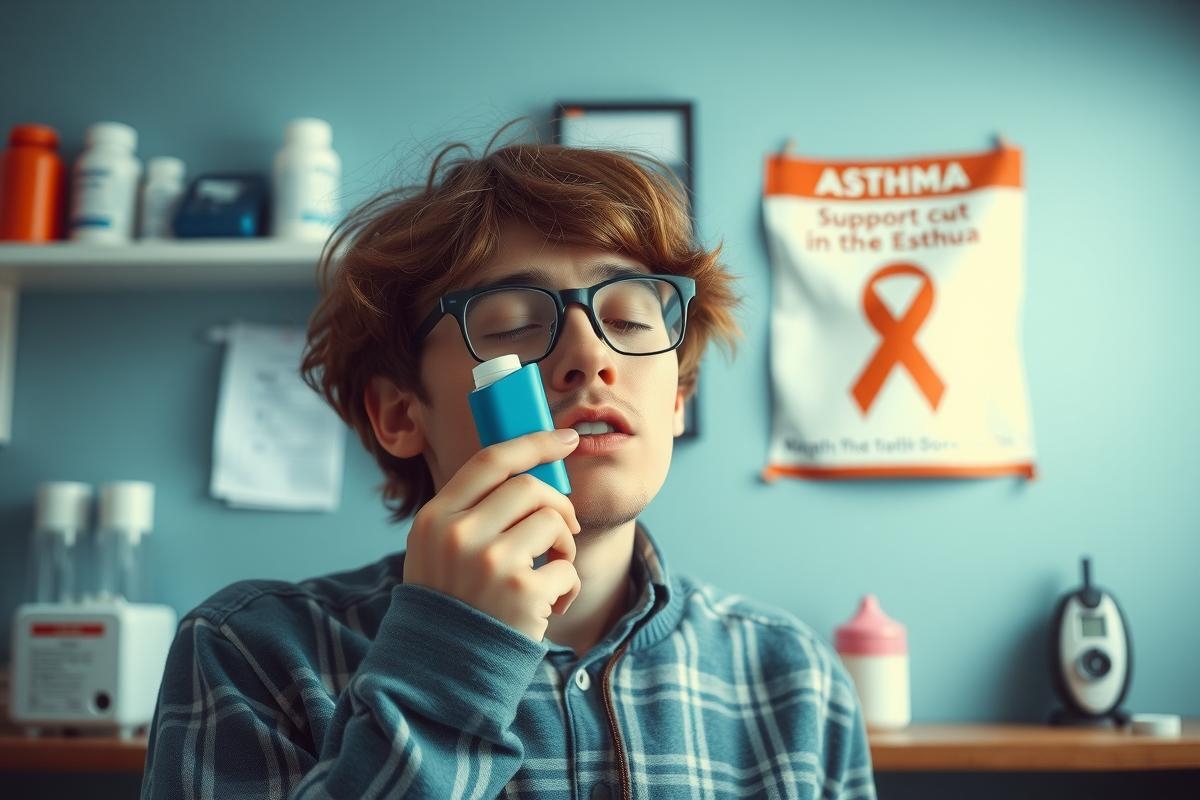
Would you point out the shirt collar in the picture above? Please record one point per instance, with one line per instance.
(657, 609)
(663, 608)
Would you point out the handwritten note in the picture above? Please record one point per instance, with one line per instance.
(276, 444)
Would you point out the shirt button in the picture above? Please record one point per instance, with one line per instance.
(583, 681)
(601, 791)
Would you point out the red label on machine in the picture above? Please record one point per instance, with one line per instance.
(67, 629)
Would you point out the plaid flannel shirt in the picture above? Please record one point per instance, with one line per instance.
(355, 685)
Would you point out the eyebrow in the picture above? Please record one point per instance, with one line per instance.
(537, 276)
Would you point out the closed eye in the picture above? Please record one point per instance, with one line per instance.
(515, 333)
(626, 326)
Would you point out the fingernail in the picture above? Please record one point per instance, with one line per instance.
(567, 435)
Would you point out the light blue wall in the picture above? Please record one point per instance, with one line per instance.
(1103, 96)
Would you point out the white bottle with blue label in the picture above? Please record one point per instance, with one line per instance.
(105, 185)
(510, 401)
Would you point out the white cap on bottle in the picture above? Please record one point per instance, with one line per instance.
(164, 168)
(489, 372)
(308, 132)
(111, 134)
(128, 507)
(63, 507)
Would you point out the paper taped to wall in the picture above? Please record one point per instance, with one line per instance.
(276, 444)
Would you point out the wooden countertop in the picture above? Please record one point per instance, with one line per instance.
(71, 754)
(930, 747)
(924, 747)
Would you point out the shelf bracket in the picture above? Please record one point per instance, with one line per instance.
(8, 358)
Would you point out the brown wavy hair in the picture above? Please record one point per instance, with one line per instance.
(394, 255)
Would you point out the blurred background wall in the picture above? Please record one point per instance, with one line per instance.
(1103, 97)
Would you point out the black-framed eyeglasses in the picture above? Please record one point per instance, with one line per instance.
(635, 315)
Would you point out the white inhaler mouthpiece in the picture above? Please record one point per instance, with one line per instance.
(489, 372)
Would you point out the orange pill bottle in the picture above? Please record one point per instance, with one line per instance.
(32, 186)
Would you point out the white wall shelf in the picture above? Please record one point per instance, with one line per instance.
(207, 263)
(177, 264)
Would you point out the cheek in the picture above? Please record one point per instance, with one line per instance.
(660, 386)
(450, 437)
(449, 428)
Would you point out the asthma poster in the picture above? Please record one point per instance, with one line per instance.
(897, 292)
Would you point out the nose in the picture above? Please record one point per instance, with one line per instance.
(580, 357)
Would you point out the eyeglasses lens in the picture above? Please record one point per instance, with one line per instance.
(637, 316)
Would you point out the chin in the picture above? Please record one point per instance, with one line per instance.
(604, 510)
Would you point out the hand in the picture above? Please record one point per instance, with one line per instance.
(476, 540)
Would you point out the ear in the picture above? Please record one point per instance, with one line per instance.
(395, 418)
(680, 405)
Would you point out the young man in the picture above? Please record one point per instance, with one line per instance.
(467, 667)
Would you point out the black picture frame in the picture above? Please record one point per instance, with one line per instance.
(662, 130)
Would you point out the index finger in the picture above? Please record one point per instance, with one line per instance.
(495, 464)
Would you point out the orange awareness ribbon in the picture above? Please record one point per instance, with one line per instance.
(899, 344)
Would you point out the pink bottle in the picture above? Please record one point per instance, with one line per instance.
(874, 649)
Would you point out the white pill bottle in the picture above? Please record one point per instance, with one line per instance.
(160, 197)
(874, 649)
(105, 185)
(306, 182)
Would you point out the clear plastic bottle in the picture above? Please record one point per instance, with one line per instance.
(307, 180)
(105, 184)
(58, 546)
(160, 197)
(126, 518)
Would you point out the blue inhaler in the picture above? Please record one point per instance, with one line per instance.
(510, 401)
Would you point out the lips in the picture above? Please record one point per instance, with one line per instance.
(593, 418)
